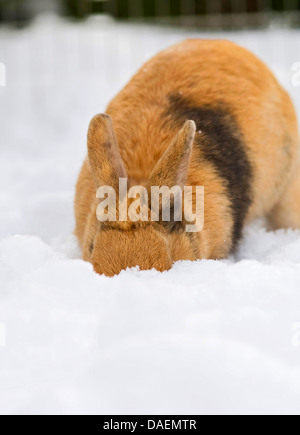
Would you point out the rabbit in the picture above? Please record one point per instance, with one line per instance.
(201, 113)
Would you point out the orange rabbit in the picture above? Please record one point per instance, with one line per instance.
(201, 113)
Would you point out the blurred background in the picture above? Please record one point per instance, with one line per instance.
(61, 62)
(204, 13)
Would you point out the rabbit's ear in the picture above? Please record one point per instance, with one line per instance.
(104, 156)
(172, 169)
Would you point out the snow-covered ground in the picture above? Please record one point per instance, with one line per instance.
(206, 337)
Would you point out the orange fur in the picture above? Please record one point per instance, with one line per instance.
(240, 101)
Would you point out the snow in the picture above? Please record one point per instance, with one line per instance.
(206, 337)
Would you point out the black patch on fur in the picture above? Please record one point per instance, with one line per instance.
(91, 248)
(221, 143)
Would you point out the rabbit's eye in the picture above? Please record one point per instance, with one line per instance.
(91, 247)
